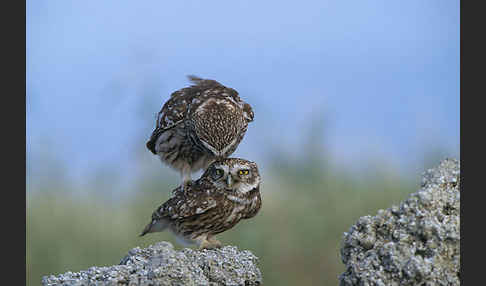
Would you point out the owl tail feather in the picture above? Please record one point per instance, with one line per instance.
(154, 226)
(194, 79)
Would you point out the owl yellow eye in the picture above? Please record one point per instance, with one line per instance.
(243, 172)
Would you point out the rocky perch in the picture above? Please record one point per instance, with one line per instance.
(416, 243)
(160, 264)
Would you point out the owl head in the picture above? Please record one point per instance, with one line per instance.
(233, 174)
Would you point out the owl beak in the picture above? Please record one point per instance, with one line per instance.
(229, 181)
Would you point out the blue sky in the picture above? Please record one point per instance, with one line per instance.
(384, 74)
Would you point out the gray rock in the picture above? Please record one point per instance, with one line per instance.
(416, 243)
(160, 264)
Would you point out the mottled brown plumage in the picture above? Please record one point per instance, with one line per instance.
(198, 125)
(227, 192)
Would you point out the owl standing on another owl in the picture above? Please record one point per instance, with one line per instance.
(228, 191)
(198, 125)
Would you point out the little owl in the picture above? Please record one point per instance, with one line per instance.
(198, 125)
(227, 192)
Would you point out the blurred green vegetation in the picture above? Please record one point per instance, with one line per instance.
(307, 205)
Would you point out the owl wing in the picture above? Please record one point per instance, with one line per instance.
(175, 109)
(186, 203)
(172, 113)
(256, 203)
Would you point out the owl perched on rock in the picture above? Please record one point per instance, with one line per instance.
(198, 125)
(228, 191)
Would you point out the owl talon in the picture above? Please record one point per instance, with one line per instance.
(210, 244)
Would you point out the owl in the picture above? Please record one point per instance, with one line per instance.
(198, 125)
(227, 192)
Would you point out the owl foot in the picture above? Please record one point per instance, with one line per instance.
(210, 243)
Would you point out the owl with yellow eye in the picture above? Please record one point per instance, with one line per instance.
(227, 192)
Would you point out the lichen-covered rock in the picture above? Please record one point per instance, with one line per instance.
(160, 264)
(416, 243)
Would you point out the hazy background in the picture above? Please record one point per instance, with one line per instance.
(352, 100)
